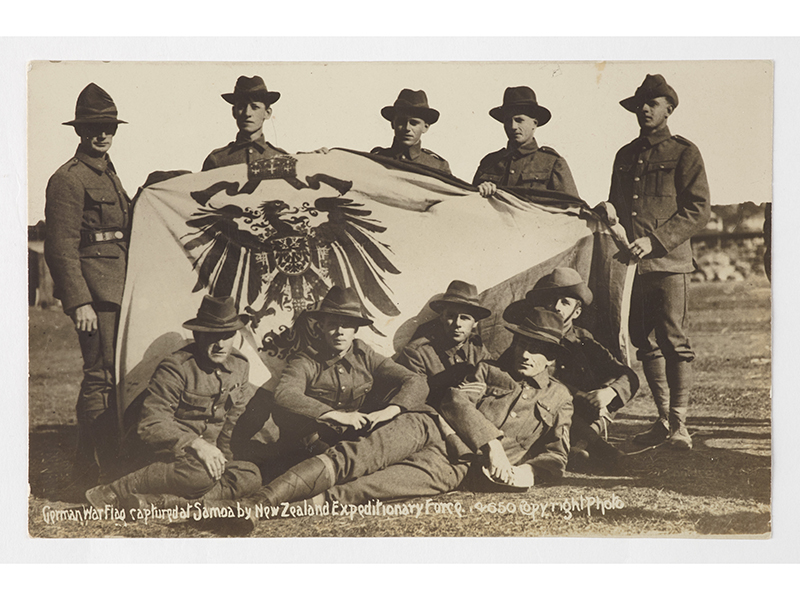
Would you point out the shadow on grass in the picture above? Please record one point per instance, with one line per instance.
(739, 523)
(51, 449)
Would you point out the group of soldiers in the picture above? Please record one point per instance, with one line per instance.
(445, 413)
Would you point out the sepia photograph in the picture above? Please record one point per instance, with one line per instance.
(406, 299)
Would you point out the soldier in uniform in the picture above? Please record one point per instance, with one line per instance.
(193, 401)
(252, 105)
(660, 194)
(410, 117)
(88, 219)
(600, 384)
(523, 164)
(448, 349)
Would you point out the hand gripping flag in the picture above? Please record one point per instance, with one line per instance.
(277, 234)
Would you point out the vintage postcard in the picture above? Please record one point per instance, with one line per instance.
(400, 299)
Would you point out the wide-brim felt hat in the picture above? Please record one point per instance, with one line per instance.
(341, 303)
(463, 295)
(653, 86)
(563, 282)
(94, 106)
(251, 88)
(216, 315)
(411, 103)
(521, 101)
(542, 325)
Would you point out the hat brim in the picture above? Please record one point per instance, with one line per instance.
(358, 319)
(198, 325)
(429, 115)
(268, 98)
(631, 104)
(89, 121)
(539, 337)
(537, 111)
(579, 291)
(477, 311)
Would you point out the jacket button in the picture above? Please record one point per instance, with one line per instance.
(634, 213)
(636, 179)
(511, 170)
(513, 414)
(640, 161)
(636, 196)
(344, 387)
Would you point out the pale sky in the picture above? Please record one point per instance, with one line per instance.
(176, 115)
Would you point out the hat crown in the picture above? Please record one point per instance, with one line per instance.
(653, 86)
(95, 104)
(541, 324)
(411, 99)
(461, 293)
(253, 88)
(519, 95)
(343, 302)
(217, 311)
(561, 277)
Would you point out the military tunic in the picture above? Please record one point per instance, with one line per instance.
(241, 151)
(88, 220)
(660, 190)
(527, 166)
(415, 154)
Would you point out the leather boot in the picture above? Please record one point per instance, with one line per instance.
(655, 371)
(306, 480)
(149, 479)
(679, 376)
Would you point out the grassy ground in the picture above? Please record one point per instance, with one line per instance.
(721, 488)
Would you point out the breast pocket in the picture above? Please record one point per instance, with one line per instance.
(533, 176)
(194, 406)
(102, 206)
(660, 178)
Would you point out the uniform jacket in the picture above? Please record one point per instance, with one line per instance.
(186, 400)
(241, 152)
(528, 166)
(416, 154)
(659, 189)
(532, 420)
(444, 367)
(590, 366)
(84, 196)
(313, 384)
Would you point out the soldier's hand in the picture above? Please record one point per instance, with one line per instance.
(499, 466)
(356, 420)
(600, 398)
(85, 318)
(641, 247)
(212, 457)
(382, 415)
(487, 189)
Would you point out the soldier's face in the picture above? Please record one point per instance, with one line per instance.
(652, 115)
(215, 347)
(568, 308)
(458, 326)
(520, 128)
(250, 115)
(96, 139)
(408, 130)
(338, 332)
(531, 357)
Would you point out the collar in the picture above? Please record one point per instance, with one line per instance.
(242, 141)
(411, 151)
(347, 359)
(96, 164)
(656, 137)
(524, 150)
(541, 380)
(570, 335)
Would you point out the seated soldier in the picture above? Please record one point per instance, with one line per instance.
(410, 117)
(600, 384)
(512, 422)
(252, 106)
(190, 408)
(344, 388)
(448, 350)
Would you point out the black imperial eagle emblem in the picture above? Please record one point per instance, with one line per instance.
(286, 258)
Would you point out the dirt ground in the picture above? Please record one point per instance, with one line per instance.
(721, 488)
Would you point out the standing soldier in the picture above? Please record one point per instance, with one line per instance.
(88, 217)
(410, 117)
(660, 192)
(252, 105)
(523, 164)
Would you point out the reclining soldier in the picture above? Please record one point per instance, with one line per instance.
(191, 406)
(600, 384)
(512, 422)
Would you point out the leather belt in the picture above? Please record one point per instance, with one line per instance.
(109, 235)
